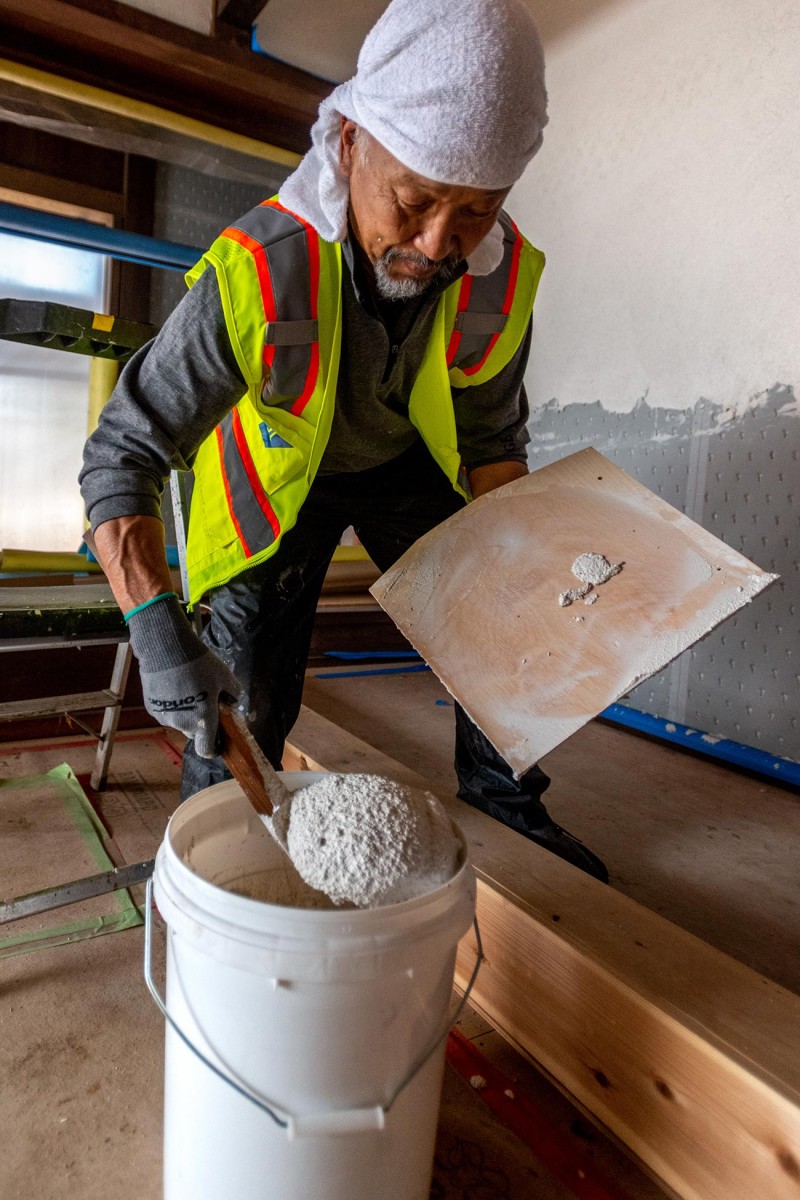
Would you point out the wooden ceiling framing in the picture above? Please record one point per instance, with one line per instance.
(240, 14)
(213, 79)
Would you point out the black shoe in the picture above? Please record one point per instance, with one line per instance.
(555, 839)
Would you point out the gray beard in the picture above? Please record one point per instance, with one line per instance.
(408, 288)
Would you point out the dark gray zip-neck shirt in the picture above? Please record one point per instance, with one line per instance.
(177, 388)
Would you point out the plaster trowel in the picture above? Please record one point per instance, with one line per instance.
(255, 775)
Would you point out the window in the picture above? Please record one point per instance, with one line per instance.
(44, 394)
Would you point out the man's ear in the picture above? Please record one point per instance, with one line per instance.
(347, 141)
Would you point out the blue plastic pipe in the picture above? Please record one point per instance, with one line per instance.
(85, 235)
(783, 770)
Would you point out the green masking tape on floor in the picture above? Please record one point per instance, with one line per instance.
(89, 826)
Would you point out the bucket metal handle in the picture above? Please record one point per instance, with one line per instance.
(353, 1120)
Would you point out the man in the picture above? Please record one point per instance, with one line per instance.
(350, 353)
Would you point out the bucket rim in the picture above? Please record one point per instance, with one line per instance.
(333, 915)
(196, 908)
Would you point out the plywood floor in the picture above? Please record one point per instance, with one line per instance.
(81, 1042)
(707, 847)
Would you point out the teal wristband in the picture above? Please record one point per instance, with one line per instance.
(153, 600)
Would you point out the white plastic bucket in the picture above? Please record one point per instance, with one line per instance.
(333, 1021)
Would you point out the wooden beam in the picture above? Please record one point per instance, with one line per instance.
(240, 13)
(95, 178)
(219, 81)
(689, 1057)
(37, 183)
(104, 121)
(130, 283)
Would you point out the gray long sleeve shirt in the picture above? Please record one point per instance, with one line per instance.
(177, 388)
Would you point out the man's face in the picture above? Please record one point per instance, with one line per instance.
(413, 231)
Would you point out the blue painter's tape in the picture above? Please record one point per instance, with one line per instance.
(356, 655)
(378, 671)
(783, 770)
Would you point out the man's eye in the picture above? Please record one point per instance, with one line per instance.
(413, 205)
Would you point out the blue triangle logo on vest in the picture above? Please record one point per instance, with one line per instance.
(271, 439)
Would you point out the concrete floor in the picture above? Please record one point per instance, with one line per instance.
(707, 847)
(81, 1042)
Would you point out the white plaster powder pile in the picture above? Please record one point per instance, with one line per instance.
(370, 841)
(591, 569)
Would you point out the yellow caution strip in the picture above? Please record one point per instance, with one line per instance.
(50, 562)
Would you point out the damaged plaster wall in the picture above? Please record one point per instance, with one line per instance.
(665, 331)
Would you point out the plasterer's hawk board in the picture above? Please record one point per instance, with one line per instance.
(479, 598)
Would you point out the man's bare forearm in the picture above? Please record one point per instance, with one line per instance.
(132, 553)
(486, 479)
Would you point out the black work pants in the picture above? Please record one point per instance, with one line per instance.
(261, 623)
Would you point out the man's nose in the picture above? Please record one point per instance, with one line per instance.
(437, 237)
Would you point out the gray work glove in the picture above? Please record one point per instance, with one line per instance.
(182, 681)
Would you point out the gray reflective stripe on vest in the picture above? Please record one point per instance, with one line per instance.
(284, 241)
(481, 324)
(291, 333)
(255, 529)
(484, 317)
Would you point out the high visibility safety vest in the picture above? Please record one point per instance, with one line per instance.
(281, 291)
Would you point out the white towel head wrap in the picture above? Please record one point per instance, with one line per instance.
(455, 91)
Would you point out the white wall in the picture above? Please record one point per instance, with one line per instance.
(666, 200)
(667, 327)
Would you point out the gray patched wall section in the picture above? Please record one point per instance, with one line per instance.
(738, 476)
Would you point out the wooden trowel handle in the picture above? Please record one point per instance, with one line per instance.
(245, 760)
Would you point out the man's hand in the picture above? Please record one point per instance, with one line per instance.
(486, 479)
(182, 681)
